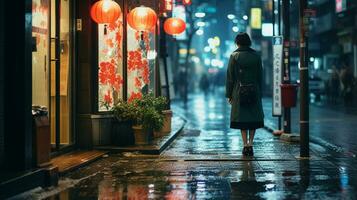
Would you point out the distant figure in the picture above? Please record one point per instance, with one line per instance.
(347, 80)
(204, 83)
(334, 85)
(244, 91)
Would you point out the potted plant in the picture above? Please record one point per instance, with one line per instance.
(124, 118)
(160, 104)
(148, 119)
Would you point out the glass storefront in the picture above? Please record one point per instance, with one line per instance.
(141, 57)
(52, 66)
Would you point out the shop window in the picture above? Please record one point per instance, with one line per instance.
(110, 57)
(40, 52)
(141, 63)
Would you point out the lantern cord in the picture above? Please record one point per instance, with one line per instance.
(105, 29)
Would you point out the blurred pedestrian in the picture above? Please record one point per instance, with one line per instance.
(204, 84)
(347, 80)
(244, 91)
(334, 85)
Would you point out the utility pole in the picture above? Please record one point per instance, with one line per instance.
(286, 59)
(304, 83)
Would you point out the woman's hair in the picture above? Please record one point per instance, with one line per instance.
(243, 39)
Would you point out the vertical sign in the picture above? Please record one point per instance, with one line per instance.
(277, 74)
(256, 18)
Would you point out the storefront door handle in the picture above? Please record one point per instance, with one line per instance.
(54, 59)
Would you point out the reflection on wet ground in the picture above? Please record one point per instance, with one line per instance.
(205, 162)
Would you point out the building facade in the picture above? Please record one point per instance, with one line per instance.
(58, 57)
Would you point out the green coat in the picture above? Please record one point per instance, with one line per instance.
(250, 61)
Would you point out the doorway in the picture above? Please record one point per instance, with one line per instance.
(52, 67)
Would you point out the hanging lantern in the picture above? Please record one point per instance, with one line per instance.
(186, 2)
(105, 11)
(174, 26)
(142, 18)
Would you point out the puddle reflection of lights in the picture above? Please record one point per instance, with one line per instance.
(201, 186)
(343, 178)
(211, 116)
(270, 186)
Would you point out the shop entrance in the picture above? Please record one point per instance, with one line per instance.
(52, 66)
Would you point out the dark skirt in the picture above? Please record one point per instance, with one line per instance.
(247, 125)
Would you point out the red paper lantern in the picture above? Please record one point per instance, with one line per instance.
(142, 18)
(186, 2)
(174, 26)
(105, 11)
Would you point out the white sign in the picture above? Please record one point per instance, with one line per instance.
(277, 74)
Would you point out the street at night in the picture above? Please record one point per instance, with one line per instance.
(178, 99)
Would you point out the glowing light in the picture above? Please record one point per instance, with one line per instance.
(200, 14)
(235, 29)
(151, 55)
(231, 16)
(207, 49)
(199, 32)
(200, 24)
(245, 17)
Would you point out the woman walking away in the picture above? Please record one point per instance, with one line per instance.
(244, 91)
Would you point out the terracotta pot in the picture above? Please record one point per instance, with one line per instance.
(158, 134)
(167, 121)
(141, 136)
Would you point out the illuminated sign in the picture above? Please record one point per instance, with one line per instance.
(341, 5)
(277, 74)
(256, 18)
(168, 5)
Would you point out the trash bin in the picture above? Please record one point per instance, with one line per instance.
(288, 95)
(41, 139)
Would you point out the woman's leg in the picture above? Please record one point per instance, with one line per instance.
(244, 137)
(251, 136)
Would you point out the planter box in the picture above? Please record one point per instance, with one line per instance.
(101, 129)
(167, 121)
(141, 136)
(122, 133)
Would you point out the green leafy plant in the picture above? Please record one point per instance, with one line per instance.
(151, 119)
(125, 111)
(158, 103)
(149, 112)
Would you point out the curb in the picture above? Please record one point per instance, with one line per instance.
(317, 141)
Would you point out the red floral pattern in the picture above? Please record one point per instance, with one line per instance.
(109, 74)
(135, 95)
(108, 98)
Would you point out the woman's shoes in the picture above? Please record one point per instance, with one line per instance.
(245, 151)
(248, 151)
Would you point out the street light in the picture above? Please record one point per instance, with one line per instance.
(245, 17)
(231, 16)
(201, 24)
(235, 29)
(200, 14)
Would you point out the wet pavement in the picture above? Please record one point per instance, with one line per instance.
(205, 162)
(334, 126)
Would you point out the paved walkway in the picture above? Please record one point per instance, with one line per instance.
(334, 127)
(205, 162)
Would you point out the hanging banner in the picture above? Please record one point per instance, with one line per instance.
(277, 74)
